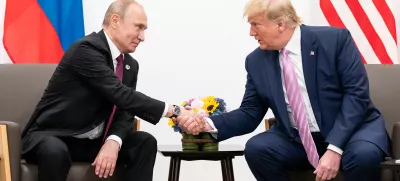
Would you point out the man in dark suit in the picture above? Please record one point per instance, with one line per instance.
(314, 81)
(86, 112)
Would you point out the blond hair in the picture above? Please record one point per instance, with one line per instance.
(274, 10)
(118, 7)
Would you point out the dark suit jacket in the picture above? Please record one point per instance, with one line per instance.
(82, 91)
(337, 85)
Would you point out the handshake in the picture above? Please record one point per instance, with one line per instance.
(190, 121)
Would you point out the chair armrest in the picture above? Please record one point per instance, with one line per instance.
(396, 141)
(269, 123)
(136, 124)
(14, 146)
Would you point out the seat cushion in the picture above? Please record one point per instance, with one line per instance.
(387, 175)
(309, 176)
(78, 172)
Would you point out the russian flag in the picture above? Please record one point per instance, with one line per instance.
(40, 31)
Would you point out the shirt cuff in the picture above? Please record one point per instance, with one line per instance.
(165, 110)
(211, 123)
(335, 149)
(115, 138)
(214, 131)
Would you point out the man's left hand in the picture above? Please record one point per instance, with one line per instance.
(106, 159)
(328, 166)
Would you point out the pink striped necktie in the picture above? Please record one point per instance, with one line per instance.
(119, 72)
(298, 108)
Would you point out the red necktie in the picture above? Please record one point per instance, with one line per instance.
(119, 71)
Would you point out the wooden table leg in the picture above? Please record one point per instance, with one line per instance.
(227, 169)
(171, 168)
(224, 170)
(174, 168)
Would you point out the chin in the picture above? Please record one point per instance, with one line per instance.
(131, 50)
(264, 47)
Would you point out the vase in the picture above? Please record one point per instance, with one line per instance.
(210, 145)
(202, 141)
(188, 142)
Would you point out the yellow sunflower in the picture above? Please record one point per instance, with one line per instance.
(210, 105)
(170, 122)
(183, 103)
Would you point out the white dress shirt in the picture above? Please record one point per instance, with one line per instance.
(98, 131)
(294, 47)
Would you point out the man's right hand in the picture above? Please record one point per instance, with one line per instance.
(189, 121)
(186, 121)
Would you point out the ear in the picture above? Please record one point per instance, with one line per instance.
(281, 25)
(114, 21)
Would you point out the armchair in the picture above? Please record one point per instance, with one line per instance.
(385, 94)
(21, 87)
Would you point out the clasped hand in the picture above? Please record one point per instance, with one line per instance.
(190, 122)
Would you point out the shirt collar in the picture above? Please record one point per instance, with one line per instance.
(294, 43)
(113, 48)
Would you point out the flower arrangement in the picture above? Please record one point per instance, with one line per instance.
(205, 106)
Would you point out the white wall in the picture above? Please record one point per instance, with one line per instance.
(192, 48)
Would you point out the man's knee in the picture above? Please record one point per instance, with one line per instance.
(255, 149)
(148, 140)
(52, 150)
(363, 155)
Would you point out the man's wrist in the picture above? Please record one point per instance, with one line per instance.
(169, 111)
(335, 149)
(116, 139)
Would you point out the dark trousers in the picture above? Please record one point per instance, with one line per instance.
(270, 156)
(54, 156)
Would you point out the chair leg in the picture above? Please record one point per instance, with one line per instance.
(174, 168)
(396, 175)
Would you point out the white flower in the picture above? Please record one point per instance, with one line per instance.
(197, 103)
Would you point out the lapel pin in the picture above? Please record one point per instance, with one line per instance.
(312, 53)
(127, 67)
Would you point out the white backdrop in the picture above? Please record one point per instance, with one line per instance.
(193, 48)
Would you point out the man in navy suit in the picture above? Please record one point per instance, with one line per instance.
(314, 81)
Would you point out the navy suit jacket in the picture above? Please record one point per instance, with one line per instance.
(337, 85)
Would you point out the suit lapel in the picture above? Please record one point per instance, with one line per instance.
(309, 52)
(275, 83)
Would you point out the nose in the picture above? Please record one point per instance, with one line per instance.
(252, 32)
(141, 36)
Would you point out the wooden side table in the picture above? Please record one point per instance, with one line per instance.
(224, 154)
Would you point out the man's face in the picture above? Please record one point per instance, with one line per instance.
(266, 32)
(130, 30)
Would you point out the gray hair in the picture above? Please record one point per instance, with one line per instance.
(118, 7)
